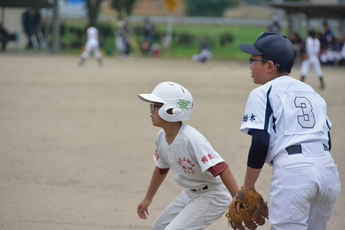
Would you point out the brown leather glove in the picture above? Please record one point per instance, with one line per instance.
(252, 216)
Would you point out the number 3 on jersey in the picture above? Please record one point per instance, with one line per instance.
(306, 119)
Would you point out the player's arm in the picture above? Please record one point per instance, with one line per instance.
(157, 179)
(222, 169)
(229, 181)
(256, 157)
(250, 179)
(256, 160)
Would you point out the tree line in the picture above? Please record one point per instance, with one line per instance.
(207, 8)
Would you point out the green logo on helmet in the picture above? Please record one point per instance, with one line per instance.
(183, 104)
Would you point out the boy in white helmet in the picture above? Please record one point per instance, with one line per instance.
(197, 167)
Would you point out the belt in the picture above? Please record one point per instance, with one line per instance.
(297, 149)
(200, 189)
(294, 149)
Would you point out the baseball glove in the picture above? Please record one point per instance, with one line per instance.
(252, 216)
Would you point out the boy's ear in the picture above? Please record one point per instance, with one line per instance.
(271, 66)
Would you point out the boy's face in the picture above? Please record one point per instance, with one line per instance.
(155, 118)
(261, 69)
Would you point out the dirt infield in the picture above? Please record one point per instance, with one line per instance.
(76, 143)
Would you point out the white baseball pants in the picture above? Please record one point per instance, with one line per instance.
(91, 46)
(194, 210)
(304, 190)
(315, 62)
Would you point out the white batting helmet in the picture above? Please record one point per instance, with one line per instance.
(174, 97)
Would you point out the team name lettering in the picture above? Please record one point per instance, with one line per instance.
(187, 165)
(252, 117)
(245, 118)
(207, 158)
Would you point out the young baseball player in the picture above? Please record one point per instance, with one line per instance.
(197, 167)
(92, 45)
(204, 53)
(312, 51)
(290, 130)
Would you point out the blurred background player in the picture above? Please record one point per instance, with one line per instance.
(298, 44)
(37, 37)
(275, 25)
(3, 37)
(31, 23)
(204, 53)
(26, 24)
(148, 30)
(311, 57)
(329, 34)
(123, 37)
(197, 167)
(92, 45)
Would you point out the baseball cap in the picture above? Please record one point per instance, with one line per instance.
(275, 46)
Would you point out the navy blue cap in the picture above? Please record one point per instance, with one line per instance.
(275, 46)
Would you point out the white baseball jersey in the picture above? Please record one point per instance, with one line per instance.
(92, 33)
(290, 111)
(92, 44)
(304, 184)
(312, 46)
(189, 157)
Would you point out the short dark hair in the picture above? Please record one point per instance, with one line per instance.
(281, 69)
(273, 45)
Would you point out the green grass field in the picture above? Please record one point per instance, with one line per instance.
(241, 33)
(229, 51)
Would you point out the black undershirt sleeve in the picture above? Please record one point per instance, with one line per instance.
(258, 149)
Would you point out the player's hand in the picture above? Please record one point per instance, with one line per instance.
(142, 209)
(240, 206)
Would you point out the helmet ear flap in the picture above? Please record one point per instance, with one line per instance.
(170, 113)
(176, 111)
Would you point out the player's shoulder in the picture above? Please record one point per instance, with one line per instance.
(190, 133)
(278, 84)
(288, 84)
(262, 89)
(160, 134)
(92, 29)
(188, 129)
